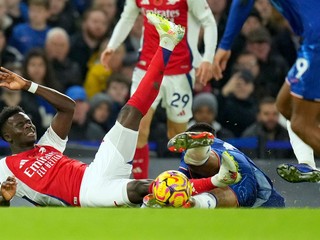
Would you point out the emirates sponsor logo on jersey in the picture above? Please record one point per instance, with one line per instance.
(170, 14)
(22, 163)
(42, 164)
(172, 2)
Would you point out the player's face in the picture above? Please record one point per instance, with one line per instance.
(20, 130)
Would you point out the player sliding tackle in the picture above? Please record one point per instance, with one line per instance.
(206, 156)
(46, 177)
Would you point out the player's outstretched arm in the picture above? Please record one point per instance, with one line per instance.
(8, 190)
(239, 12)
(64, 105)
(121, 31)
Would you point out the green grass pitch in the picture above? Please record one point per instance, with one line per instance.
(129, 223)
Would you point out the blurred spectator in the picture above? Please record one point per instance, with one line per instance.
(110, 9)
(86, 42)
(26, 36)
(62, 14)
(267, 128)
(17, 10)
(81, 5)
(6, 22)
(254, 21)
(237, 106)
(36, 67)
(219, 10)
(271, 19)
(248, 61)
(205, 109)
(118, 89)
(286, 42)
(133, 42)
(8, 54)
(82, 128)
(100, 111)
(273, 67)
(97, 76)
(57, 47)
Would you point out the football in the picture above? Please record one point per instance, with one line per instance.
(172, 188)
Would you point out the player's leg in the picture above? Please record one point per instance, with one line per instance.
(302, 151)
(304, 171)
(140, 163)
(177, 100)
(305, 123)
(118, 146)
(175, 128)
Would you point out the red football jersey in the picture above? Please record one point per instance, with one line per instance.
(46, 173)
(177, 11)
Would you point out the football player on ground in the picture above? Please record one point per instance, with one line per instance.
(298, 99)
(176, 90)
(41, 174)
(200, 160)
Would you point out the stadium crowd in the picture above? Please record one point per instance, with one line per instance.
(58, 43)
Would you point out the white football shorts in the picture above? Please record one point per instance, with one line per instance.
(175, 93)
(104, 183)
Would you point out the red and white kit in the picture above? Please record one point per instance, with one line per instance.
(47, 177)
(176, 89)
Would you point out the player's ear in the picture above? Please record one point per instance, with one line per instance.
(7, 137)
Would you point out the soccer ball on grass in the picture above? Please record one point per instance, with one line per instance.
(172, 188)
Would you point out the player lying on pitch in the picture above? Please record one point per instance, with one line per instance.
(46, 177)
(202, 159)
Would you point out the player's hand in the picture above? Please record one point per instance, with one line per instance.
(11, 80)
(9, 188)
(204, 73)
(220, 62)
(106, 57)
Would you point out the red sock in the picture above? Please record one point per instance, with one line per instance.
(202, 185)
(149, 86)
(140, 166)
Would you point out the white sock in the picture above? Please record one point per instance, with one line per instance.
(197, 156)
(303, 152)
(204, 200)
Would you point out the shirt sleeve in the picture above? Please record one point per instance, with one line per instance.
(238, 14)
(202, 12)
(50, 138)
(125, 24)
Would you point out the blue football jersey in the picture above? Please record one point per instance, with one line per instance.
(255, 188)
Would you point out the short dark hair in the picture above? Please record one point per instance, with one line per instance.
(118, 78)
(42, 3)
(201, 127)
(6, 113)
(266, 100)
